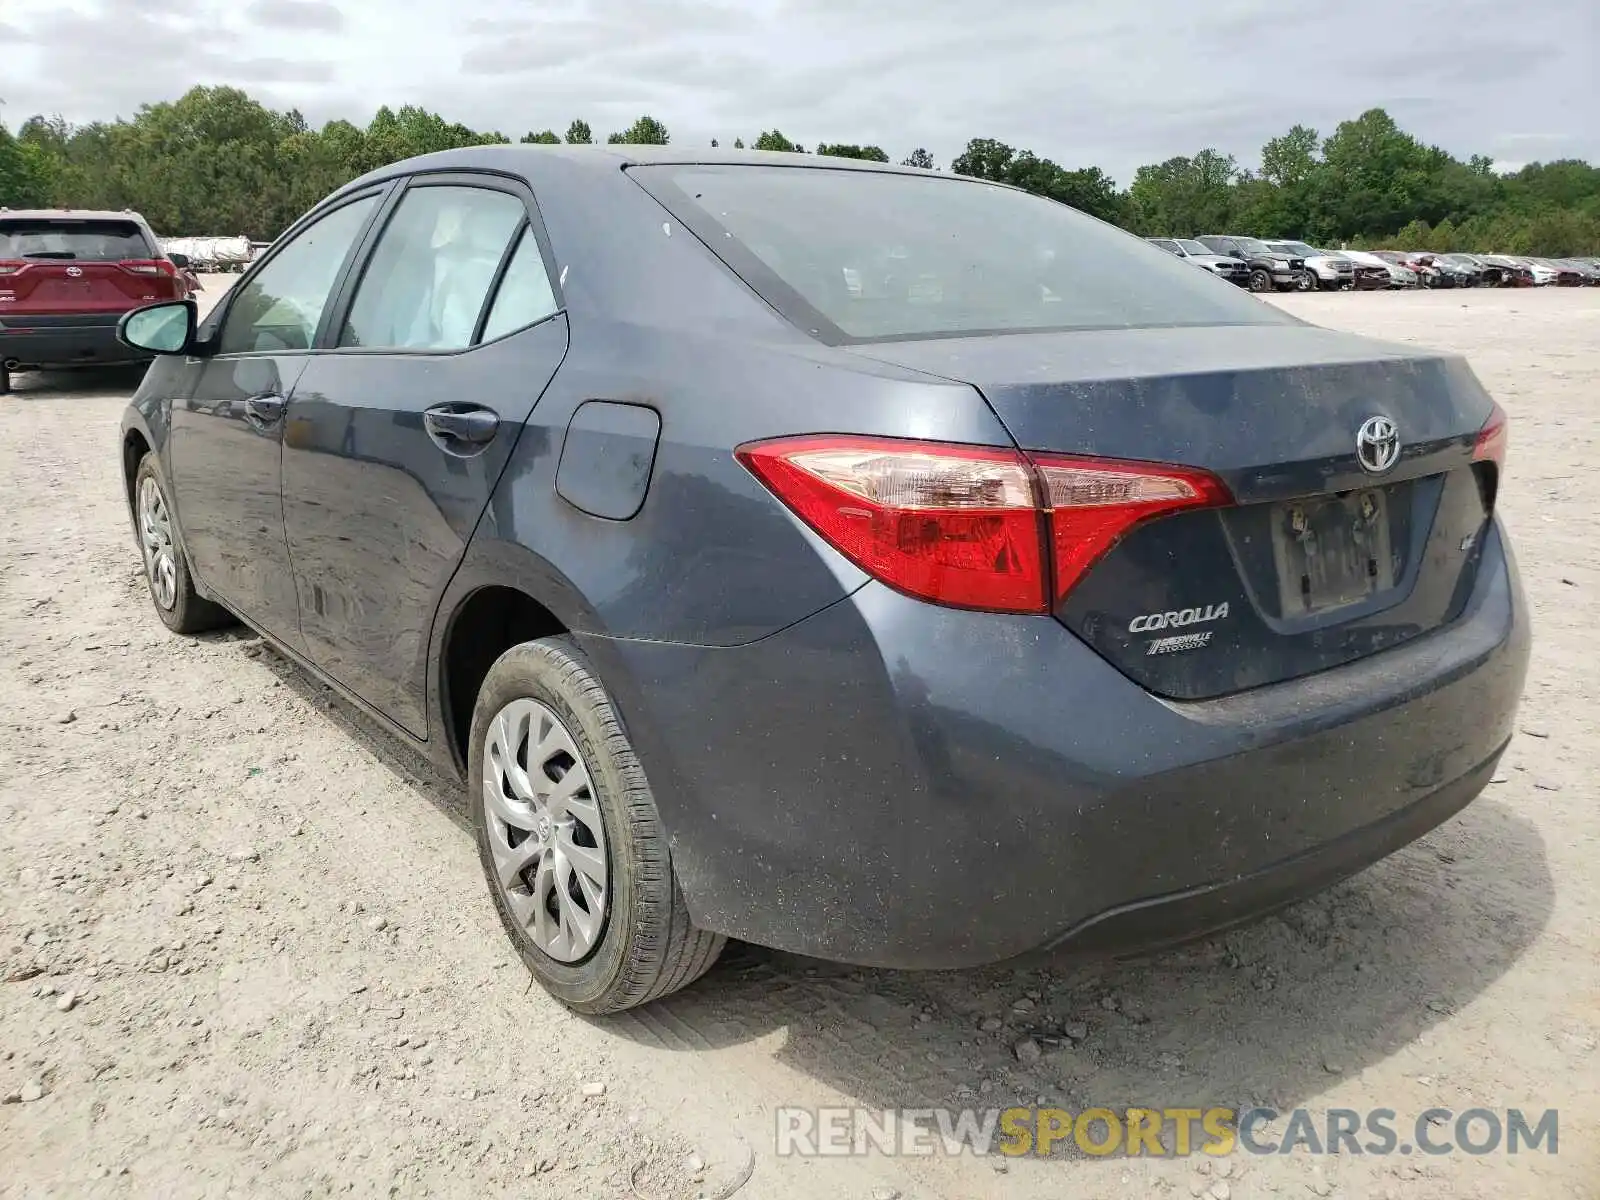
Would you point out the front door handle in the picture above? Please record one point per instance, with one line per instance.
(262, 411)
(459, 429)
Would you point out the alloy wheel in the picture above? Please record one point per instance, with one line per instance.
(545, 830)
(155, 538)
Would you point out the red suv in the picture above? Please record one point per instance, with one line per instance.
(66, 277)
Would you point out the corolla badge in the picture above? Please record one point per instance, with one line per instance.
(1151, 622)
(74, 271)
(1377, 445)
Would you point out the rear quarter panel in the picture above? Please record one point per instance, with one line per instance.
(657, 321)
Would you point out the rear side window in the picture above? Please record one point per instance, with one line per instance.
(525, 296)
(426, 284)
(73, 240)
(855, 256)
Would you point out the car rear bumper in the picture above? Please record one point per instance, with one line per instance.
(901, 785)
(71, 341)
(1150, 924)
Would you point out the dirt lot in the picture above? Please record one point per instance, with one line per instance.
(247, 950)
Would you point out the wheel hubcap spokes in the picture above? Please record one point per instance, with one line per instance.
(545, 830)
(155, 538)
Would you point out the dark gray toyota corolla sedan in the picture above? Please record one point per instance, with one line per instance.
(870, 563)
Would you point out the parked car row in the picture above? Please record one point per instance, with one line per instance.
(1286, 265)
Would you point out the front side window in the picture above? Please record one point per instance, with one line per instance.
(280, 306)
(873, 255)
(426, 284)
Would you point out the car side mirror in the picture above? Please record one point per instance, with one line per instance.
(179, 260)
(165, 328)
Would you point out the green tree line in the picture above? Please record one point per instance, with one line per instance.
(219, 162)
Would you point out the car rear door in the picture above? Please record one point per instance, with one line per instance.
(226, 443)
(399, 430)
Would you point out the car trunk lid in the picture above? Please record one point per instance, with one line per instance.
(1320, 560)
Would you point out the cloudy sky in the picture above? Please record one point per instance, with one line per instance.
(1114, 83)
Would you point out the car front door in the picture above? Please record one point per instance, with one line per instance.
(398, 430)
(226, 437)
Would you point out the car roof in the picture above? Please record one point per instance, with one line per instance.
(533, 160)
(608, 230)
(77, 214)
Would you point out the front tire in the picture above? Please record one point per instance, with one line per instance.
(166, 569)
(1307, 282)
(571, 844)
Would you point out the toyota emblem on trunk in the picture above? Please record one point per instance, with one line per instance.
(74, 271)
(1377, 445)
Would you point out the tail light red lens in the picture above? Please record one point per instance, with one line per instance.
(969, 526)
(148, 266)
(953, 524)
(1494, 439)
(1093, 503)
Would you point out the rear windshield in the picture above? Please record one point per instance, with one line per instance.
(84, 241)
(852, 256)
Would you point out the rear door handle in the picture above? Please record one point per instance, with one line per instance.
(262, 411)
(460, 429)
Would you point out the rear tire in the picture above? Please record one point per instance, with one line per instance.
(5, 382)
(166, 568)
(595, 913)
(1260, 281)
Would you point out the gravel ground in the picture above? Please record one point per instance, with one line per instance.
(246, 950)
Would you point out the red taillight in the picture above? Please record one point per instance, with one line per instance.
(969, 526)
(957, 525)
(1093, 503)
(1493, 439)
(148, 266)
